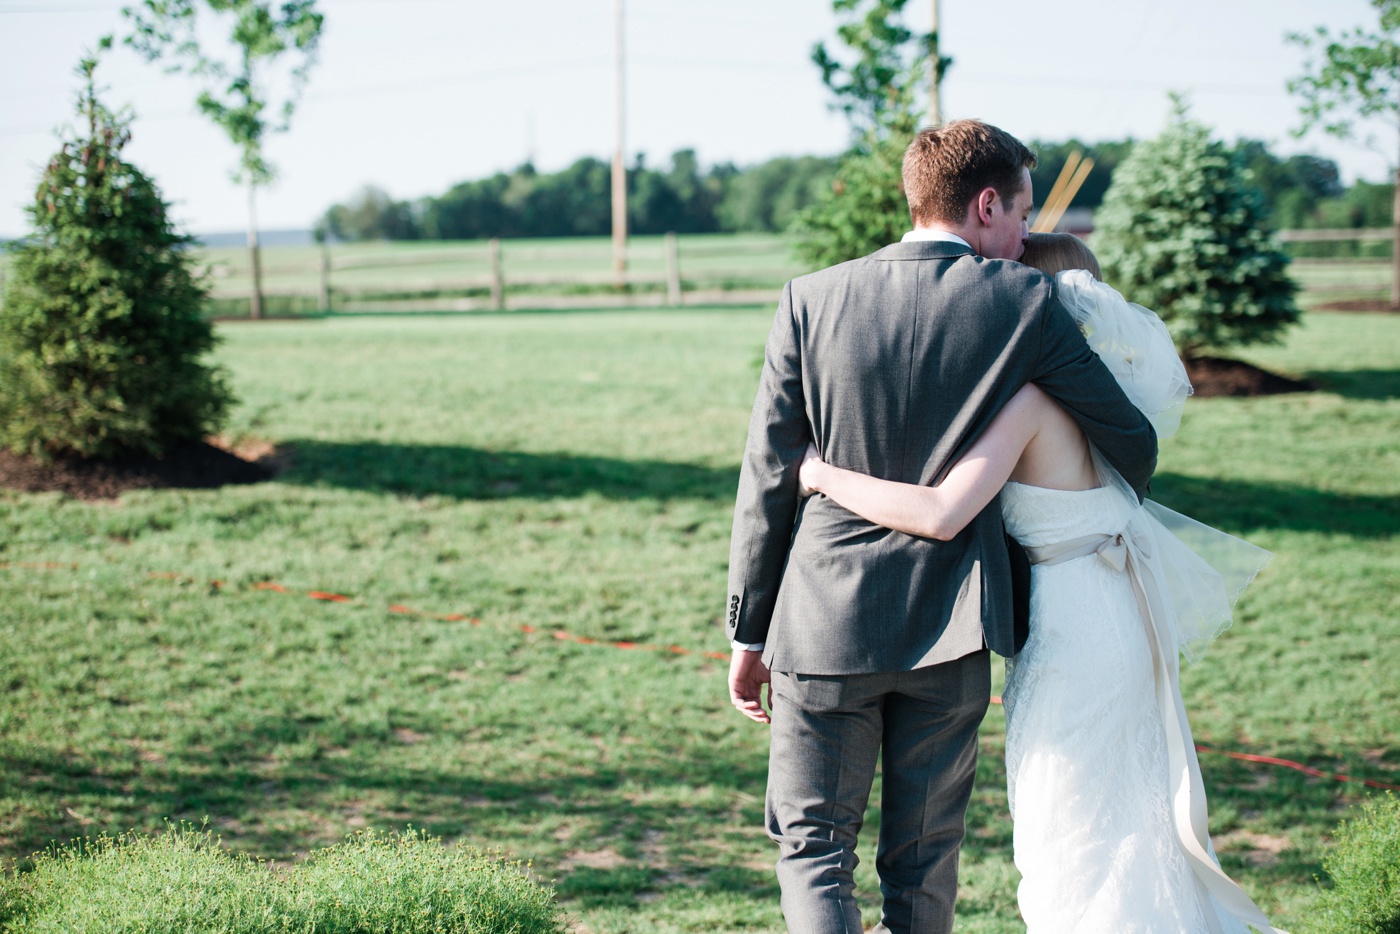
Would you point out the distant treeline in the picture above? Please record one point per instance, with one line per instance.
(1302, 191)
(578, 202)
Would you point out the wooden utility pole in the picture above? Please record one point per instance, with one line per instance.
(935, 106)
(619, 172)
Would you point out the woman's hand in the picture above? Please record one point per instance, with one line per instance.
(809, 474)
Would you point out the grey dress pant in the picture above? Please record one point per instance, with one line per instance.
(827, 732)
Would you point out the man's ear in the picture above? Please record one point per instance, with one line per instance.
(985, 204)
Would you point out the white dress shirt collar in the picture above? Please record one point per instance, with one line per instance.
(930, 233)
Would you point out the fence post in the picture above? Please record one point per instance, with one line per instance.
(498, 278)
(673, 270)
(323, 295)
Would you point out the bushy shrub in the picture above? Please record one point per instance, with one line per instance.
(1183, 232)
(102, 329)
(864, 209)
(1364, 863)
(181, 881)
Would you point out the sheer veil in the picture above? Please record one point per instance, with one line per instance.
(1200, 571)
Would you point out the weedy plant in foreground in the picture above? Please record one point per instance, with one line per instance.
(1364, 864)
(182, 880)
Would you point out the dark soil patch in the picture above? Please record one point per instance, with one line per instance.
(1219, 376)
(192, 465)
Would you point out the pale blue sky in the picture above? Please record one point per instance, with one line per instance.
(414, 95)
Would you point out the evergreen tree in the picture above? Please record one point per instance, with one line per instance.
(1182, 232)
(102, 330)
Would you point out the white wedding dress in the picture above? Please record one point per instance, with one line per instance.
(1106, 795)
(1086, 756)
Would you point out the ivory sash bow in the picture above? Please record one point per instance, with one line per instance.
(1131, 550)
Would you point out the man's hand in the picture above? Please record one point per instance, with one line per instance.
(747, 676)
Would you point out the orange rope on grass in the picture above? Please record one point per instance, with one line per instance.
(564, 636)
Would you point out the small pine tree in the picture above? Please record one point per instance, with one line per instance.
(102, 328)
(1183, 232)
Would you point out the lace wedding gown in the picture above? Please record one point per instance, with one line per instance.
(1087, 757)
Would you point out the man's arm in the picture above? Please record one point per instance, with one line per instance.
(1075, 376)
(768, 497)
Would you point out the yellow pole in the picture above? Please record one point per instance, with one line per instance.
(1057, 210)
(1070, 165)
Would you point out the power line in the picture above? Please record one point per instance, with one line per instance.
(98, 8)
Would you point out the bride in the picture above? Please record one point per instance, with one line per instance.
(1106, 795)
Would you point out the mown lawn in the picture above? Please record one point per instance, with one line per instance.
(575, 472)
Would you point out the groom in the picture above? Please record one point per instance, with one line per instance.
(877, 641)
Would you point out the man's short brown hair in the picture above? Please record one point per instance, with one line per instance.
(946, 166)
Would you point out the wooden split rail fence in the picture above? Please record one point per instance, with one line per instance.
(500, 275)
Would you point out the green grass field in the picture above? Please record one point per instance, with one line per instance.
(575, 471)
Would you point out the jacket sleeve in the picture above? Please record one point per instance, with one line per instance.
(768, 489)
(1075, 376)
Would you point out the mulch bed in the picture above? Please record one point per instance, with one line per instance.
(1219, 376)
(191, 465)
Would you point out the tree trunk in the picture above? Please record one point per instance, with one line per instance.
(935, 102)
(619, 169)
(255, 298)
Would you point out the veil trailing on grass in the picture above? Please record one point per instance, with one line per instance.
(1201, 571)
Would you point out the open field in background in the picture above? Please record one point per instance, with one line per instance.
(575, 471)
(456, 276)
(577, 272)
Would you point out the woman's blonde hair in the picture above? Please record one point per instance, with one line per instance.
(1053, 253)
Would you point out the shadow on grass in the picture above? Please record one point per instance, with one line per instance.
(1371, 385)
(1239, 505)
(472, 473)
(235, 780)
(241, 782)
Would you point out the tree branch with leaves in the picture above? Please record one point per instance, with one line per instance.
(251, 90)
(875, 83)
(1351, 80)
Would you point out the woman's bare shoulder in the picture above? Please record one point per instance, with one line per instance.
(1057, 455)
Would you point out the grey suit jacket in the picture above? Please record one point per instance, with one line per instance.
(894, 364)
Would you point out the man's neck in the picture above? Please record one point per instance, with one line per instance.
(938, 232)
